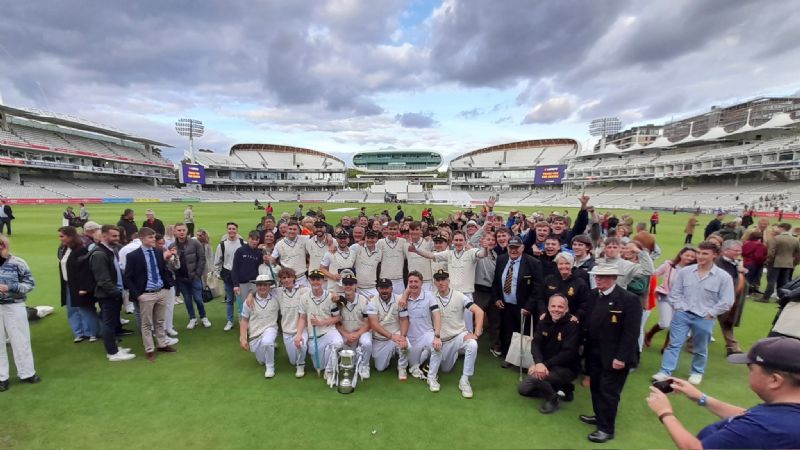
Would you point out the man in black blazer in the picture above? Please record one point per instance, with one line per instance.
(517, 292)
(612, 348)
(148, 280)
(6, 216)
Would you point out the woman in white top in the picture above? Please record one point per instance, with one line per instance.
(667, 271)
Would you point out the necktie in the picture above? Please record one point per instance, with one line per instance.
(509, 277)
(153, 272)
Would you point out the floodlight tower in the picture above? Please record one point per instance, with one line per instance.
(604, 127)
(190, 128)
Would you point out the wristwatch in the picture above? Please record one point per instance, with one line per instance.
(702, 400)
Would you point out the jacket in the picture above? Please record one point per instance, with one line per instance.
(754, 253)
(128, 227)
(157, 226)
(77, 278)
(104, 268)
(574, 288)
(193, 256)
(136, 272)
(613, 327)
(9, 214)
(783, 251)
(555, 344)
(530, 282)
(15, 273)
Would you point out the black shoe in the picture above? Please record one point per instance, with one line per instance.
(761, 300)
(506, 365)
(550, 406)
(591, 420)
(3, 385)
(732, 352)
(124, 332)
(31, 380)
(567, 396)
(600, 437)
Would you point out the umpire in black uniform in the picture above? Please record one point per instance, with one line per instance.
(612, 347)
(555, 356)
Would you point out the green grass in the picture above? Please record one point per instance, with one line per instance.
(212, 394)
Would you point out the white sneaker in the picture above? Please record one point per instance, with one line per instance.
(433, 384)
(300, 372)
(191, 324)
(466, 389)
(402, 373)
(123, 349)
(363, 372)
(206, 322)
(123, 321)
(660, 376)
(178, 300)
(171, 341)
(416, 372)
(270, 372)
(130, 309)
(172, 333)
(695, 379)
(78, 339)
(330, 379)
(92, 338)
(228, 326)
(121, 356)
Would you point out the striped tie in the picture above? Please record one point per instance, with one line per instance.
(509, 277)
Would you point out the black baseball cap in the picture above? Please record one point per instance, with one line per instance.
(441, 274)
(342, 235)
(371, 234)
(316, 274)
(777, 353)
(440, 238)
(515, 241)
(384, 283)
(349, 278)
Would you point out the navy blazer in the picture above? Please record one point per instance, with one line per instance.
(530, 282)
(135, 276)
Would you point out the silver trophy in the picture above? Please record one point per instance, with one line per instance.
(347, 365)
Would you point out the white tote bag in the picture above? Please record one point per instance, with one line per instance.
(521, 345)
(789, 321)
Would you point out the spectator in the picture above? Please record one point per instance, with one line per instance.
(774, 376)
(154, 224)
(6, 216)
(16, 281)
(127, 226)
(188, 219)
(754, 252)
(668, 271)
(783, 253)
(81, 315)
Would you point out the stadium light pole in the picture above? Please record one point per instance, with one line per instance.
(190, 128)
(604, 127)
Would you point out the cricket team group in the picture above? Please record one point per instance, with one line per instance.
(422, 292)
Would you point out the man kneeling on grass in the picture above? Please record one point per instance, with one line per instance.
(258, 326)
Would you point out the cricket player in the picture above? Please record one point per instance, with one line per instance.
(389, 324)
(319, 312)
(424, 321)
(258, 325)
(393, 256)
(354, 326)
(367, 259)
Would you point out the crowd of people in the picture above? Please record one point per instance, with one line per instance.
(424, 291)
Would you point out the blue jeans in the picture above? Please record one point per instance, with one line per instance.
(701, 328)
(82, 320)
(230, 300)
(191, 290)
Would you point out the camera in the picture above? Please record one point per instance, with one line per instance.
(664, 386)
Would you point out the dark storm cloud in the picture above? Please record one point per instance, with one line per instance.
(416, 120)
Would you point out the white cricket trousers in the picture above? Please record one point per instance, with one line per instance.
(421, 348)
(297, 357)
(264, 347)
(383, 351)
(14, 327)
(365, 343)
(329, 345)
(446, 358)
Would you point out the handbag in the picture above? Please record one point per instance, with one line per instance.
(521, 346)
(207, 295)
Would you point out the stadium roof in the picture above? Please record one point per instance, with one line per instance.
(281, 149)
(519, 146)
(75, 123)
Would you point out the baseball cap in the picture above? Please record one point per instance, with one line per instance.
(472, 223)
(349, 278)
(441, 274)
(91, 226)
(264, 279)
(316, 274)
(342, 235)
(384, 283)
(371, 234)
(440, 238)
(515, 241)
(779, 353)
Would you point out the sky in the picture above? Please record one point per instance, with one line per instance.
(346, 76)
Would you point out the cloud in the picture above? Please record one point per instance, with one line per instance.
(471, 113)
(416, 120)
(552, 110)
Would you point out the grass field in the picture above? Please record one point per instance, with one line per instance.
(212, 394)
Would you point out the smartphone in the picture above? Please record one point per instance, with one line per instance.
(664, 386)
